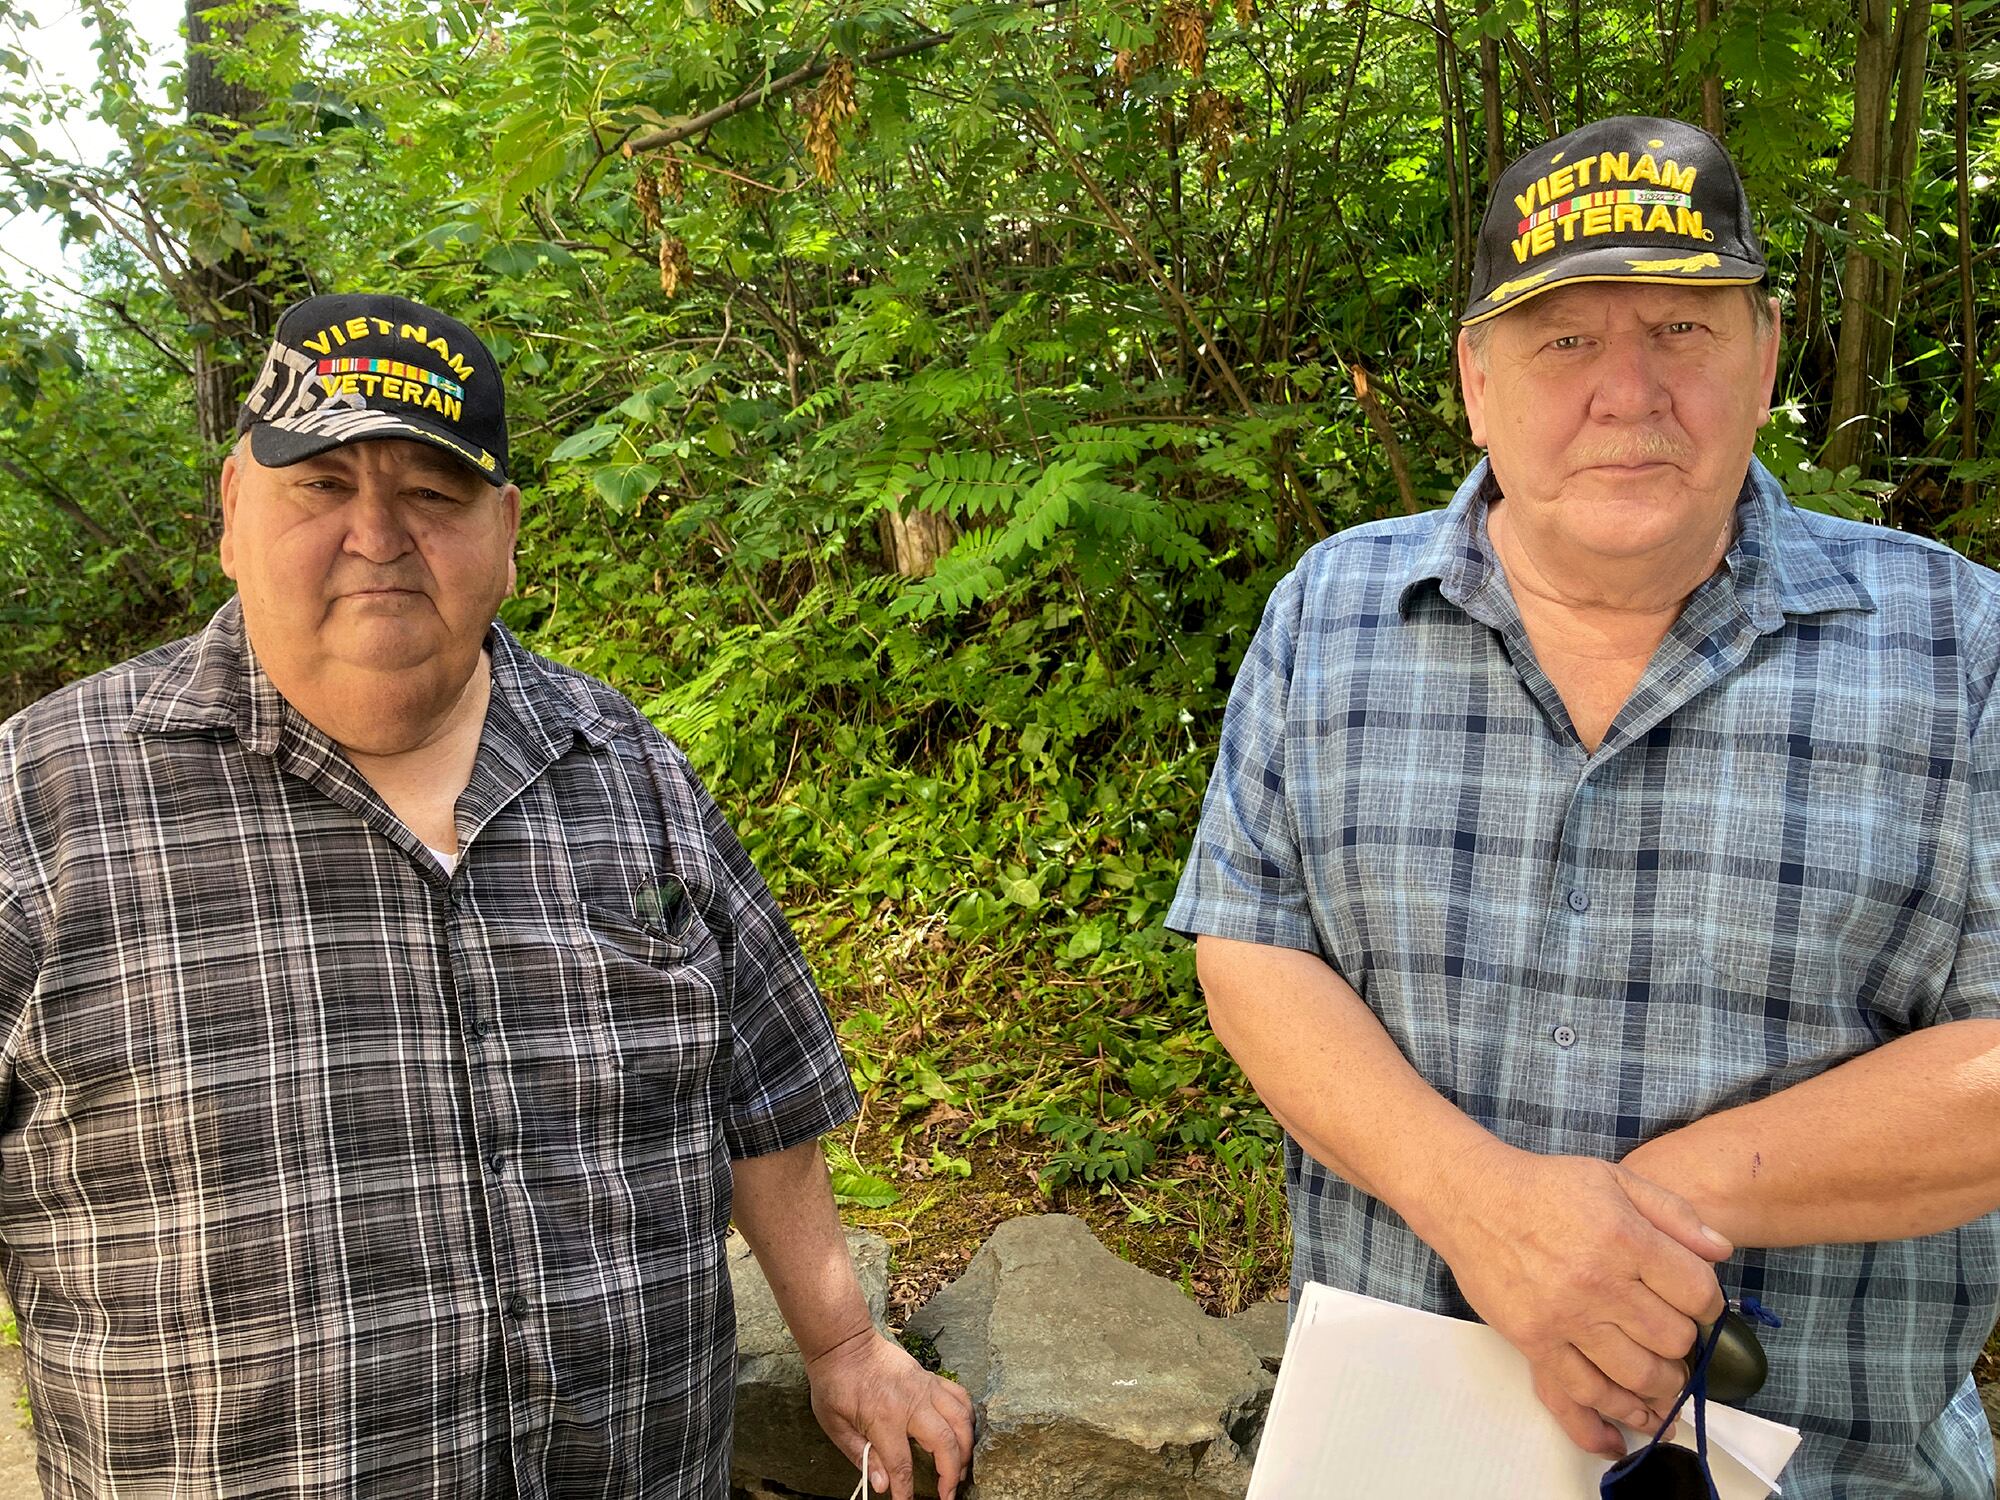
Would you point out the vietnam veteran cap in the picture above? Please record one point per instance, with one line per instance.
(1626, 199)
(350, 368)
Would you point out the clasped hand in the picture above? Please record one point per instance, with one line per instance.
(1596, 1274)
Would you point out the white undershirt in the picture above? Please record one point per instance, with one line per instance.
(449, 861)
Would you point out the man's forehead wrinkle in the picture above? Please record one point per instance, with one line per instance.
(1612, 301)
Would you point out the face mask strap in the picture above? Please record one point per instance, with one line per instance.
(1697, 1388)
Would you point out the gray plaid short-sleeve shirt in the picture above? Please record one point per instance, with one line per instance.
(325, 1173)
(1785, 852)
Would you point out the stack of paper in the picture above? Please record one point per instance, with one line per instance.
(1386, 1402)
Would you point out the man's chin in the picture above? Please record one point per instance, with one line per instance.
(387, 646)
(1632, 519)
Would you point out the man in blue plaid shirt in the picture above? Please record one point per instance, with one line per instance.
(1600, 878)
(392, 1023)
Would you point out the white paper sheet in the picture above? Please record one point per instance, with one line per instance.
(1380, 1401)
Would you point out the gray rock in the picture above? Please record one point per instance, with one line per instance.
(1092, 1379)
(779, 1445)
(1263, 1328)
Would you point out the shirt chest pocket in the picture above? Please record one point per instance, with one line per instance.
(1807, 903)
(657, 986)
(579, 987)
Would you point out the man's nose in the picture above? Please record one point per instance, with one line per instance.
(1630, 381)
(376, 526)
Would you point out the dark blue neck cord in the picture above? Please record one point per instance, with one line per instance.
(1697, 1388)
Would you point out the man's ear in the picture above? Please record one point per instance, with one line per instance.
(1768, 366)
(510, 504)
(1472, 383)
(232, 477)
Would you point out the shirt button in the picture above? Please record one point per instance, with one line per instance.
(1579, 901)
(497, 1162)
(517, 1306)
(1564, 1036)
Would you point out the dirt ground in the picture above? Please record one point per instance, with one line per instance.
(17, 1442)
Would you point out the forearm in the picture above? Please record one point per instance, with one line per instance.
(785, 1210)
(1335, 1079)
(1901, 1141)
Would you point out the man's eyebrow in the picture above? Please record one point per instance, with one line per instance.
(439, 465)
(1543, 311)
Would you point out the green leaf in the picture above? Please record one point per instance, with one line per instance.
(1085, 942)
(625, 485)
(583, 444)
(512, 261)
(858, 1189)
(1021, 890)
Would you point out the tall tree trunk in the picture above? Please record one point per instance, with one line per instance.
(230, 302)
(1551, 119)
(914, 541)
(1913, 34)
(1849, 411)
(1578, 110)
(1968, 320)
(1456, 190)
(1489, 100)
(1711, 71)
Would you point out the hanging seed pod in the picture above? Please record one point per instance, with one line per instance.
(1184, 28)
(673, 177)
(831, 106)
(676, 268)
(646, 194)
(1214, 118)
(725, 12)
(1246, 12)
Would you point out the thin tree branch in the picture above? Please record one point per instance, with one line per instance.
(669, 135)
(63, 501)
(1392, 447)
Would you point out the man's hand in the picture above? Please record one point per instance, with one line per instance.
(1595, 1273)
(864, 1388)
(868, 1390)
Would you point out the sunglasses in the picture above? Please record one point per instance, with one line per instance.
(1728, 1363)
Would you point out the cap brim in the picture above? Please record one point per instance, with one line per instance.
(276, 447)
(1644, 265)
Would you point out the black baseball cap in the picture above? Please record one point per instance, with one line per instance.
(1634, 198)
(352, 368)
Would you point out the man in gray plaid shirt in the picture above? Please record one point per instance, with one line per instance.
(1600, 878)
(392, 1024)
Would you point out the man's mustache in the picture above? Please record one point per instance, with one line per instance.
(1646, 447)
(369, 585)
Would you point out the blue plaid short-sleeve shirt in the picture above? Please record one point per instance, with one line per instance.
(1785, 852)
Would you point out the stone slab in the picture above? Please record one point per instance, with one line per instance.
(1092, 1379)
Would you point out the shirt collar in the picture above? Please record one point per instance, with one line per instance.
(217, 684)
(1457, 558)
(1777, 566)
